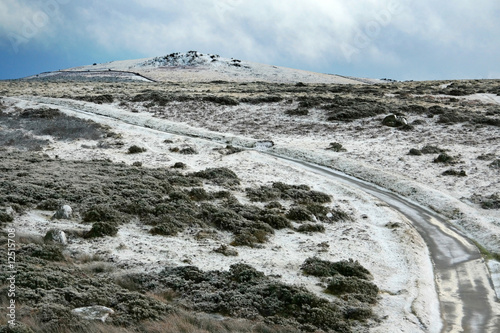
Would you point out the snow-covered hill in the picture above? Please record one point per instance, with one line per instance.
(193, 66)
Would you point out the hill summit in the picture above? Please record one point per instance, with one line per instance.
(193, 66)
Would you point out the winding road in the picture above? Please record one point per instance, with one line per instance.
(466, 294)
(468, 302)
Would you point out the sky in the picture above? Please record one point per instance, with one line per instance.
(402, 40)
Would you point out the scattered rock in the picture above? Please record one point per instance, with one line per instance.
(55, 236)
(63, 213)
(263, 145)
(95, 312)
(394, 121)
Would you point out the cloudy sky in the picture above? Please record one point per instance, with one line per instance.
(404, 40)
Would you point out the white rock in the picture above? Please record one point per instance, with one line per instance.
(95, 312)
(65, 212)
(56, 236)
(9, 210)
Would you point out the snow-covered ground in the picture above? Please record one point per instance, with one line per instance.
(200, 67)
(397, 257)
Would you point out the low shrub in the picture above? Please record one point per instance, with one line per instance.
(428, 149)
(299, 214)
(297, 112)
(100, 213)
(5, 218)
(98, 99)
(222, 100)
(199, 194)
(48, 252)
(275, 221)
(247, 293)
(452, 172)
(445, 159)
(213, 173)
(179, 165)
(261, 99)
(337, 215)
(487, 202)
(323, 268)
(226, 250)
(136, 149)
(188, 151)
(336, 147)
(46, 113)
(415, 152)
(339, 285)
(164, 229)
(308, 227)
(274, 205)
(101, 229)
(495, 164)
(250, 237)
